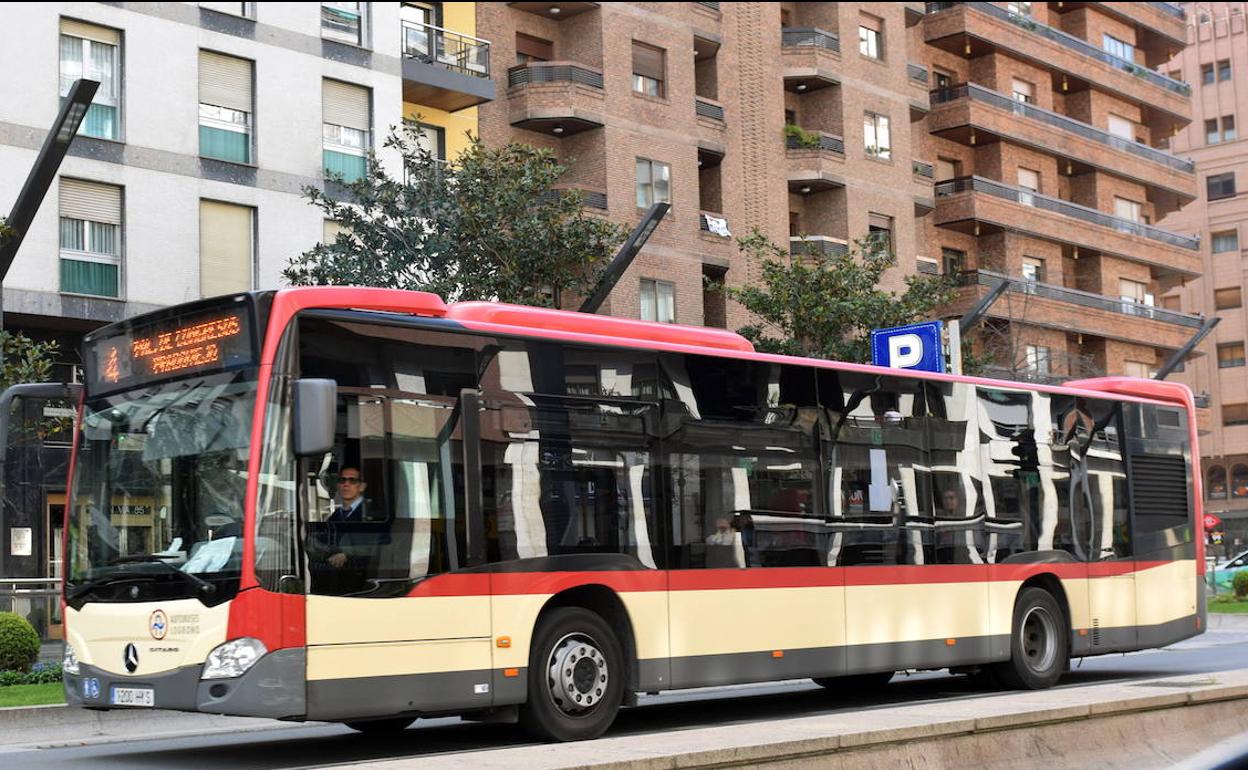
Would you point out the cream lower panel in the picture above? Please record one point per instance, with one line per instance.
(1112, 600)
(515, 616)
(349, 661)
(1166, 592)
(343, 620)
(100, 632)
(748, 620)
(902, 613)
(1003, 594)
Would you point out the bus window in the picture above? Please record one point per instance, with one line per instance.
(880, 485)
(953, 441)
(567, 437)
(1020, 501)
(741, 454)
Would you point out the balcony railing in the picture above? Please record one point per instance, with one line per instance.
(807, 37)
(708, 109)
(553, 72)
(457, 52)
(1174, 9)
(594, 199)
(1057, 120)
(923, 169)
(1077, 297)
(827, 143)
(712, 6)
(917, 72)
(1066, 208)
(817, 244)
(1071, 42)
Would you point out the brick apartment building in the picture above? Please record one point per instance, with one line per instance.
(998, 141)
(1215, 62)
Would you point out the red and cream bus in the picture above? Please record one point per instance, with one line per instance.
(561, 511)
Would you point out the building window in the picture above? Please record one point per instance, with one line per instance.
(1022, 91)
(1239, 481)
(1235, 414)
(1029, 179)
(1206, 74)
(943, 79)
(1038, 359)
(226, 248)
(346, 122)
(1217, 475)
(1218, 186)
(234, 9)
(1136, 369)
(658, 301)
(90, 241)
(876, 136)
(1033, 270)
(947, 168)
(1120, 48)
(1132, 291)
(953, 261)
(1019, 9)
(1127, 209)
(93, 53)
(649, 69)
(1228, 298)
(344, 22)
(432, 139)
(225, 107)
(531, 49)
(1224, 69)
(654, 183)
(1211, 131)
(1228, 127)
(1225, 241)
(880, 232)
(1121, 127)
(1230, 355)
(871, 36)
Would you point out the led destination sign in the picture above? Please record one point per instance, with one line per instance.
(200, 342)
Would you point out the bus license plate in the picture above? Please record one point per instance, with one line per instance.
(134, 696)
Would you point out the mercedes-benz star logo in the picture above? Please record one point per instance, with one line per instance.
(131, 658)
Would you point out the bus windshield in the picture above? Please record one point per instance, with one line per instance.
(158, 491)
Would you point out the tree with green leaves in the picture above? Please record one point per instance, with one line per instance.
(25, 360)
(491, 225)
(6, 232)
(825, 305)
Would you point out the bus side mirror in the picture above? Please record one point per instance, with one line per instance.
(314, 410)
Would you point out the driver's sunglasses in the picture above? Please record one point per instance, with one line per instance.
(349, 480)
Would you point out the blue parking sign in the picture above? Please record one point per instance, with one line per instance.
(916, 346)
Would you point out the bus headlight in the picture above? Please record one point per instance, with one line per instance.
(233, 658)
(69, 662)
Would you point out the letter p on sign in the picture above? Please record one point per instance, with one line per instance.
(905, 351)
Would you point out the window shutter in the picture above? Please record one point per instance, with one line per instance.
(534, 47)
(91, 201)
(225, 246)
(346, 105)
(90, 32)
(225, 81)
(647, 61)
(879, 222)
(872, 23)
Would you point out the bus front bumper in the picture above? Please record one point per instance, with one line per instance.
(274, 687)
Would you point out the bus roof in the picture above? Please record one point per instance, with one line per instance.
(571, 326)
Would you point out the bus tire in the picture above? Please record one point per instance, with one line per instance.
(576, 677)
(855, 684)
(1038, 643)
(381, 726)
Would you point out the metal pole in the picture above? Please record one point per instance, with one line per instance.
(1182, 352)
(975, 314)
(620, 262)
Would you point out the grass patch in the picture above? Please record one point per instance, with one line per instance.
(1228, 603)
(32, 694)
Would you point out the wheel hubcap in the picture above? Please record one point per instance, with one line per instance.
(577, 677)
(1039, 639)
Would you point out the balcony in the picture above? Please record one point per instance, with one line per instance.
(816, 162)
(968, 110)
(923, 169)
(1158, 24)
(443, 69)
(708, 109)
(557, 98)
(1058, 307)
(975, 29)
(590, 198)
(979, 206)
(818, 245)
(810, 57)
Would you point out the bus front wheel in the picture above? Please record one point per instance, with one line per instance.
(576, 677)
(1038, 643)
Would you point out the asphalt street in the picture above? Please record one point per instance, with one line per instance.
(751, 707)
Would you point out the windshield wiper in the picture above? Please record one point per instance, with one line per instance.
(151, 558)
(81, 590)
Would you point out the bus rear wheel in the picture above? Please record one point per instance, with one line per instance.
(381, 726)
(857, 684)
(576, 677)
(1038, 644)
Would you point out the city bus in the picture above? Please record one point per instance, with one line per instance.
(369, 506)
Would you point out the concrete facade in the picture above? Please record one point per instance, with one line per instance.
(1215, 35)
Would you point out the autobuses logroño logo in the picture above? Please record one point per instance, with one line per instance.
(158, 624)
